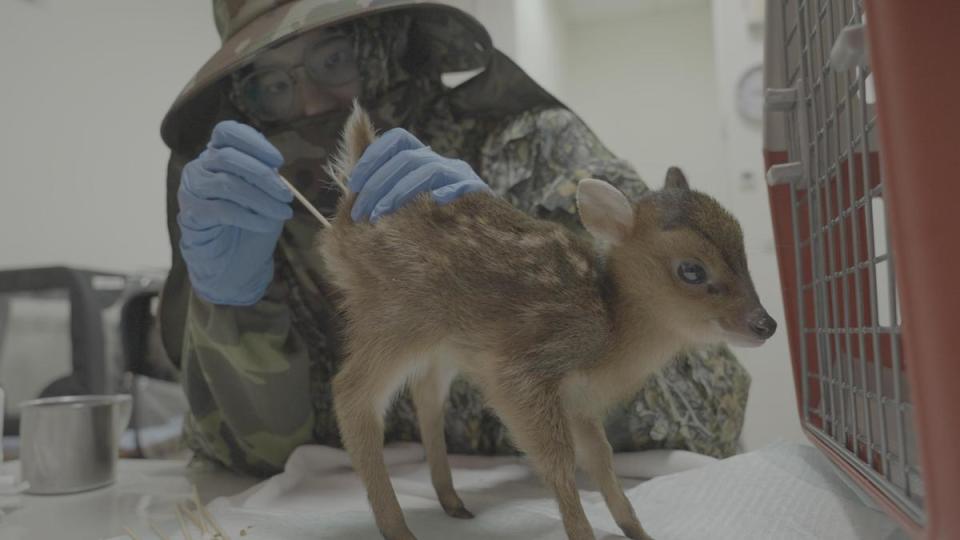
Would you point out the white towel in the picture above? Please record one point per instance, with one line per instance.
(784, 492)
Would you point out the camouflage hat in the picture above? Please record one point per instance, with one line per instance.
(248, 27)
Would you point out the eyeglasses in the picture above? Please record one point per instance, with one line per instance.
(269, 93)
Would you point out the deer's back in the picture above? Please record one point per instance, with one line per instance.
(476, 268)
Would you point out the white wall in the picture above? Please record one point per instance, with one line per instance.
(646, 85)
(736, 47)
(85, 85)
(540, 42)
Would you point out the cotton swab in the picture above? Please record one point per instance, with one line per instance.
(316, 213)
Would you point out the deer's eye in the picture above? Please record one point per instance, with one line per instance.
(692, 272)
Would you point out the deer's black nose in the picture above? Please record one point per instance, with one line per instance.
(763, 326)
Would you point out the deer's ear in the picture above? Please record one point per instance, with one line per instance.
(676, 180)
(604, 211)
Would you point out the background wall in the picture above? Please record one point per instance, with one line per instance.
(646, 84)
(738, 46)
(86, 85)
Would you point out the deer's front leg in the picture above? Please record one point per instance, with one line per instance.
(597, 458)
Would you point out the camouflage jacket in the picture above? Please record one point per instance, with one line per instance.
(258, 378)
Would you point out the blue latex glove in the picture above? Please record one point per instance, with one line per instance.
(232, 209)
(397, 167)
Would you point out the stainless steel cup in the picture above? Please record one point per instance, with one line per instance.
(70, 444)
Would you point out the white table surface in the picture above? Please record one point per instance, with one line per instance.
(145, 491)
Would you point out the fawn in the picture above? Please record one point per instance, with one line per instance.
(553, 327)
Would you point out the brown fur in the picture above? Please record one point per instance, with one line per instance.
(553, 328)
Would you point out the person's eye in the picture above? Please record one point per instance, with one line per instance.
(276, 87)
(271, 82)
(334, 60)
(332, 56)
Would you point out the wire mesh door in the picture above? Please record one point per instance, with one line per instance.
(855, 398)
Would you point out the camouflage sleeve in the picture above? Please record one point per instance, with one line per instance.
(246, 373)
(696, 402)
(536, 159)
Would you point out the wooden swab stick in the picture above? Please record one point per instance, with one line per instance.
(153, 528)
(184, 526)
(204, 513)
(192, 517)
(316, 213)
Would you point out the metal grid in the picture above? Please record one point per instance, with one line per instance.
(855, 398)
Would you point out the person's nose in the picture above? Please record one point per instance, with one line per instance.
(315, 100)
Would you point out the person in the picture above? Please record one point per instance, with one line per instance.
(245, 312)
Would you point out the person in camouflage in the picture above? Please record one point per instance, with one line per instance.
(258, 377)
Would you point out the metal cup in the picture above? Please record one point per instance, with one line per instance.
(70, 444)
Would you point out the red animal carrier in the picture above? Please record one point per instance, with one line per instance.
(863, 155)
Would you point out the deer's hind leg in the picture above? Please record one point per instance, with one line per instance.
(362, 390)
(429, 392)
(533, 412)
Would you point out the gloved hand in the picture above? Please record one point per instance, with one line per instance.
(232, 209)
(397, 167)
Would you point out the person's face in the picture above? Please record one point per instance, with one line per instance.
(310, 75)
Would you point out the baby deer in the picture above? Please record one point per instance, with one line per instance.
(552, 327)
